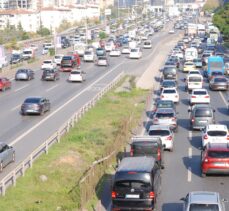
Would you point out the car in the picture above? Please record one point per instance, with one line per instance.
(172, 31)
(189, 66)
(214, 74)
(168, 84)
(165, 133)
(7, 155)
(89, 56)
(115, 52)
(169, 72)
(147, 44)
(164, 104)
(219, 83)
(16, 58)
(215, 133)
(198, 62)
(102, 61)
(215, 159)
(109, 46)
(135, 53)
(194, 72)
(148, 146)
(24, 74)
(193, 81)
(67, 63)
(45, 50)
(5, 84)
(58, 58)
(50, 74)
(170, 94)
(166, 116)
(136, 184)
(100, 52)
(125, 50)
(199, 96)
(201, 115)
(203, 201)
(48, 64)
(76, 76)
(35, 105)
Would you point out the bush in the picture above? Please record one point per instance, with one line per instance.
(44, 31)
(51, 51)
(102, 35)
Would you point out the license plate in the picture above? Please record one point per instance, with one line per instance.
(221, 164)
(169, 75)
(196, 84)
(203, 121)
(132, 196)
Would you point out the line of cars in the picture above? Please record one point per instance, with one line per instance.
(137, 182)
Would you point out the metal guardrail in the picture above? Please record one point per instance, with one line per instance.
(11, 177)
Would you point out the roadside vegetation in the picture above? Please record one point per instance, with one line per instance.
(221, 20)
(48, 185)
(212, 5)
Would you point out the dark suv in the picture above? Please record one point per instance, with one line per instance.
(136, 184)
(50, 74)
(170, 72)
(147, 146)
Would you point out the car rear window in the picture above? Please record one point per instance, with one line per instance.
(195, 79)
(217, 133)
(203, 113)
(199, 92)
(133, 184)
(145, 148)
(169, 91)
(218, 154)
(220, 80)
(164, 115)
(169, 71)
(204, 207)
(159, 132)
(32, 100)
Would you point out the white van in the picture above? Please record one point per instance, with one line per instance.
(194, 81)
(191, 54)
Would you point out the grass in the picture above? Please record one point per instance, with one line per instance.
(66, 161)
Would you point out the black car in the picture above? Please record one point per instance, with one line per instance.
(136, 184)
(170, 72)
(50, 74)
(168, 84)
(16, 58)
(35, 105)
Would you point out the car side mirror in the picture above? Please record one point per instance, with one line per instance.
(224, 200)
(182, 199)
(189, 110)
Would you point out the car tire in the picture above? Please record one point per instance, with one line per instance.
(203, 175)
(42, 113)
(171, 150)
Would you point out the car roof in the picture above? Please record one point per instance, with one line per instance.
(218, 146)
(140, 164)
(159, 127)
(216, 127)
(202, 197)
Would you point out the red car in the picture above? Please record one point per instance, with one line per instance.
(215, 159)
(5, 83)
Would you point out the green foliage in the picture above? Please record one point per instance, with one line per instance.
(51, 51)
(211, 5)
(43, 31)
(221, 20)
(102, 35)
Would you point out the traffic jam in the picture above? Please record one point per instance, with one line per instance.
(194, 74)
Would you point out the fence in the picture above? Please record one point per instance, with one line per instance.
(11, 177)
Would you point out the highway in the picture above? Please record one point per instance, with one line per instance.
(26, 133)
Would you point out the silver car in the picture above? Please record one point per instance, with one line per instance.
(203, 200)
(24, 74)
(7, 155)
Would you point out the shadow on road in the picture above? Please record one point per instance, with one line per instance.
(172, 206)
(184, 123)
(223, 110)
(193, 164)
(185, 102)
(195, 141)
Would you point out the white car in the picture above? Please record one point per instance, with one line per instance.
(171, 31)
(199, 96)
(45, 51)
(49, 64)
(115, 52)
(135, 53)
(170, 94)
(126, 50)
(89, 56)
(215, 133)
(76, 76)
(109, 46)
(58, 58)
(102, 61)
(165, 133)
(147, 44)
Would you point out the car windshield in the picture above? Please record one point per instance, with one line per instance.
(203, 113)
(47, 62)
(204, 207)
(75, 73)
(133, 184)
(218, 154)
(189, 64)
(32, 100)
(194, 79)
(165, 105)
(27, 52)
(199, 92)
(159, 132)
(15, 56)
(88, 53)
(217, 133)
(58, 57)
(169, 91)
(220, 80)
(164, 115)
(134, 50)
(216, 73)
(49, 71)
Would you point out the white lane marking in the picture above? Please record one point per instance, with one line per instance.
(51, 88)
(190, 135)
(190, 152)
(189, 174)
(62, 106)
(16, 90)
(223, 98)
(16, 107)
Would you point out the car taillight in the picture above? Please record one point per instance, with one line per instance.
(193, 120)
(174, 119)
(193, 96)
(205, 160)
(205, 136)
(159, 154)
(162, 96)
(113, 194)
(228, 137)
(131, 152)
(206, 96)
(176, 96)
(155, 119)
(169, 138)
(151, 195)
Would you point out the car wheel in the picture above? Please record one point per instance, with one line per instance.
(1, 166)
(42, 112)
(13, 157)
(171, 150)
(203, 174)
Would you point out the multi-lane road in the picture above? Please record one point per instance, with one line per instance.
(26, 133)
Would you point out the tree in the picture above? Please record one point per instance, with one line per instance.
(43, 31)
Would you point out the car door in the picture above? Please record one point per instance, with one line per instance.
(4, 155)
(47, 105)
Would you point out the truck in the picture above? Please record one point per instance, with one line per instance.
(201, 30)
(28, 53)
(215, 64)
(192, 29)
(191, 54)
